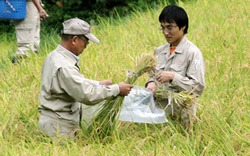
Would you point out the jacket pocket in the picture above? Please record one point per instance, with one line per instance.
(75, 107)
(177, 68)
(160, 66)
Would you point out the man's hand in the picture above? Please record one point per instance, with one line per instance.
(152, 86)
(105, 82)
(43, 14)
(125, 88)
(165, 76)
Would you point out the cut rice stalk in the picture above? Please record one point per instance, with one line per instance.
(183, 99)
(105, 122)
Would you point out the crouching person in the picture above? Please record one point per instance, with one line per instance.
(64, 88)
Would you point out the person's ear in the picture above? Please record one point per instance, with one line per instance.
(183, 28)
(74, 40)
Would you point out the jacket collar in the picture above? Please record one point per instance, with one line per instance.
(180, 47)
(67, 54)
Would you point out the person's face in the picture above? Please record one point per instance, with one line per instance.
(172, 33)
(84, 41)
(81, 43)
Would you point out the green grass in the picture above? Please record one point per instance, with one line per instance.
(219, 28)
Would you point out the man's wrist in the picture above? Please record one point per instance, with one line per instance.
(172, 77)
(149, 83)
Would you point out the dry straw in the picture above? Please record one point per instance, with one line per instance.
(183, 99)
(105, 122)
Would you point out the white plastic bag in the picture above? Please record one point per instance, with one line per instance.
(139, 106)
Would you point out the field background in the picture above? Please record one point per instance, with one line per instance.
(219, 28)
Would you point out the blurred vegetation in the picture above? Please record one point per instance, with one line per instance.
(89, 10)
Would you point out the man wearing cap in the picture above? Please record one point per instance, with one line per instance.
(63, 88)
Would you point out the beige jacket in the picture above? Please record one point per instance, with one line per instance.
(63, 88)
(187, 63)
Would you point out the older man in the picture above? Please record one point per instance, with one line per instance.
(64, 89)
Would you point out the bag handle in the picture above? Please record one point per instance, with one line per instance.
(11, 6)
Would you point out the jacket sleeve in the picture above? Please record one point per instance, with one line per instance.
(194, 78)
(82, 89)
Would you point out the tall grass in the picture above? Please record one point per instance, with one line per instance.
(219, 28)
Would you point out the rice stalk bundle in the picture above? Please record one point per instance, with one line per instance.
(183, 99)
(145, 64)
(105, 122)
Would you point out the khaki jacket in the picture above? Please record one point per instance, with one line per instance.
(187, 63)
(63, 88)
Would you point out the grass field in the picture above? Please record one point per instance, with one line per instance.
(219, 28)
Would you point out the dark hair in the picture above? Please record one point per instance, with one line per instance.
(174, 13)
(66, 37)
(69, 36)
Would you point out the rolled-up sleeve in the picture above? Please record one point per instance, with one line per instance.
(84, 90)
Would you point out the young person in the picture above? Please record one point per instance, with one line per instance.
(180, 63)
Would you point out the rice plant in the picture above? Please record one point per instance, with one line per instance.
(105, 122)
(223, 112)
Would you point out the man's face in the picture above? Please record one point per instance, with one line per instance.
(82, 43)
(172, 33)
